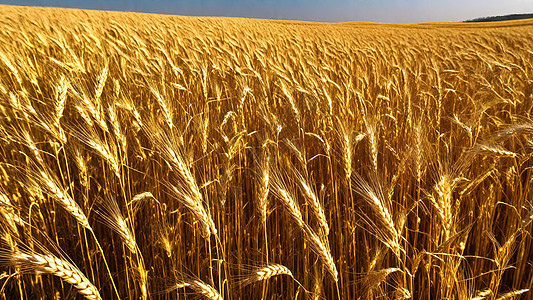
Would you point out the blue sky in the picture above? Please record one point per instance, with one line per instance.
(389, 11)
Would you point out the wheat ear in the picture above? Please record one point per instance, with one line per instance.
(322, 251)
(263, 189)
(312, 200)
(200, 287)
(49, 264)
(49, 183)
(266, 272)
(286, 196)
(373, 194)
(512, 294)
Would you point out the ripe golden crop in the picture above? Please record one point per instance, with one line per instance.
(163, 157)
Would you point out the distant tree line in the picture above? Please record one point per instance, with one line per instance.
(502, 18)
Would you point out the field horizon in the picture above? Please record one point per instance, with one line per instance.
(518, 22)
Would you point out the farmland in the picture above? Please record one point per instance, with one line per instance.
(168, 157)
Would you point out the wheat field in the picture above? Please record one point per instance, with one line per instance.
(165, 157)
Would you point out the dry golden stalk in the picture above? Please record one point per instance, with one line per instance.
(120, 137)
(235, 145)
(402, 293)
(472, 185)
(15, 71)
(181, 285)
(9, 213)
(292, 101)
(443, 200)
(128, 105)
(28, 141)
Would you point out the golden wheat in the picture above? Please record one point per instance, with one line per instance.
(165, 154)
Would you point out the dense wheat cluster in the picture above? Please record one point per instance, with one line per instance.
(161, 157)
